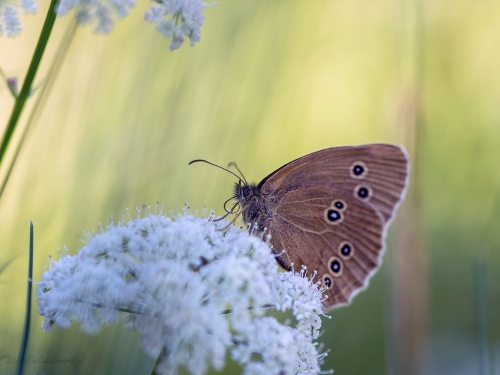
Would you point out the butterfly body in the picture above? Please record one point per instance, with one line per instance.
(255, 207)
(329, 211)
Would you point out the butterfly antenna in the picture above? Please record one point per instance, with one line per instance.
(218, 166)
(233, 164)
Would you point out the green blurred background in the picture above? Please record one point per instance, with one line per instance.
(269, 82)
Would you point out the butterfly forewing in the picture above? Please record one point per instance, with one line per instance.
(384, 174)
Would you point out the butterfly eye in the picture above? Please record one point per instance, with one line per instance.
(358, 170)
(335, 266)
(346, 250)
(363, 192)
(333, 216)
(247, 191)
(327, 281)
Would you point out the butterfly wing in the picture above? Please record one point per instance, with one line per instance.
(382, 171)
(331, 210)
(345, 252)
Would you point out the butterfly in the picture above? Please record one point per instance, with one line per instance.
(329, 211)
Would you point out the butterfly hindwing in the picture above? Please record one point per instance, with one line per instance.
(308, 229)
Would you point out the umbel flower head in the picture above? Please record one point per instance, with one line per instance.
(10, 25)
(178, 19)
(193, 292)
(174, 19)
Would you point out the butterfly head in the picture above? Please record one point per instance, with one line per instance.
(244, 192)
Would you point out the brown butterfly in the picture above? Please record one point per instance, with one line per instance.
(329, 211)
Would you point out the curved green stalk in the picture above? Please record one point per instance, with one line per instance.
(30, 76)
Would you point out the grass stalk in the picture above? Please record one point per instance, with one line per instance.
(27, 315)
(30, 77)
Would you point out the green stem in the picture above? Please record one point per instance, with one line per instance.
(30, 77)
(27, 314)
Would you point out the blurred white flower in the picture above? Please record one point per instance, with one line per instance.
(175, 19)
(102, 12)
(10, 25)
(193, 293)
(178, 19)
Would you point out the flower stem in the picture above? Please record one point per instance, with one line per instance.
(30, 76)
(267, 305)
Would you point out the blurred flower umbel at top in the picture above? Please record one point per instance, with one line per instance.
(193, 292)
(100, 12)
(176, 19)
(10, 25)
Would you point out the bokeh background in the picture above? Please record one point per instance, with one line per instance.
(269, 82)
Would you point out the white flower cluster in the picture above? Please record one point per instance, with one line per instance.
(193, 293)
(10, 25)
(87, 11)
(178, 19)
